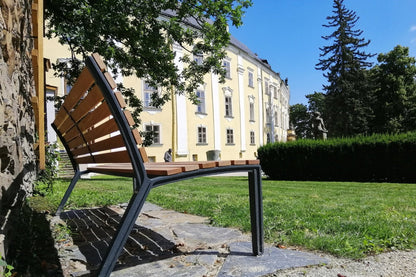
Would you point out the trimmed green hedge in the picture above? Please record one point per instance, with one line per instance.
(385, 158)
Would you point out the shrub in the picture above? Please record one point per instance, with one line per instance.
(390, 158)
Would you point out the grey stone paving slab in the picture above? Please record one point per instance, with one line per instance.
(241, 263)
(171, 244)
(206, 234)
(194, 264)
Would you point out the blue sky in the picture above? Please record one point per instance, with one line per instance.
(288, 34)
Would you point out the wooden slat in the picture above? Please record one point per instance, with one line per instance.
(125, 170)
(222, 163)
(103, 145)
(61, 115)
(66, 125)
(99, 114)
(129, 118)
(137, 136)
(82, 84)
(99, 62)
(93, 98)
(238, 162)
(110, 80)
(163, 171)
(128, 169)
(111, 157)
(120, 99)
(144, 154)
(184, 167)
(101, 131)
(201, 164)
(71, 134)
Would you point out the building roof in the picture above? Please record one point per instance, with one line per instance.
(233, 40)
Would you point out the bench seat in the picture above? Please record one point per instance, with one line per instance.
(165, 169)
(96, 129)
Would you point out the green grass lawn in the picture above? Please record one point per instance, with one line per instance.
(346, 219)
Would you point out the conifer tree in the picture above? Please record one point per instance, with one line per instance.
(344, 64)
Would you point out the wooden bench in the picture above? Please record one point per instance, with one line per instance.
(95, 129)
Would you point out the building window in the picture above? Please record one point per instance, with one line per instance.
(155, 130)
(266, 87)
(252, 138)
(276, 123)
(199, 59)
(227, 67)
(250, 79)
(275, 92)
(202, 135)
(251, 111)
(268, 115)
(67, 86)
(147, 95)
(200, 94)
(230, 136)
(228, 106)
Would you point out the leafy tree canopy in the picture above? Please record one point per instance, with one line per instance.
(299, 118)
(395, 91)
(137, 37)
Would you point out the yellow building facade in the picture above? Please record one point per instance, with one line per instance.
(231, 120)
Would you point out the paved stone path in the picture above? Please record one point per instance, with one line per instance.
(167, 243)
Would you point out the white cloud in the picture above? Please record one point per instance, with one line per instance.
(413, 28)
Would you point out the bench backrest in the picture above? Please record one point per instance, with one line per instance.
(89, 117)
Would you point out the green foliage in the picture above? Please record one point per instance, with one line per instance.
(138, 37)
(299, 118)
(363, 158)
(395, 91)
(97, 191)
(316, 102)
(6, 268)
(46, 176)
(344, 62)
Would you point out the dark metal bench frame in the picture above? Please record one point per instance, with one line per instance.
(142, 183)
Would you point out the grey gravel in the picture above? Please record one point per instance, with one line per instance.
(391, 264)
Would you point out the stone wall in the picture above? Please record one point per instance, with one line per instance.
(17, 129)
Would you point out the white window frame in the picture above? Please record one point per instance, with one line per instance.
(198, 58)
(152, 127)
(266, 87)
(251, 79)
(227, 66)
(251, 108)
(147, 94)
(228, 101)
(252, 137)
(202, 134)
(276, 118)
(200, 108)
(230, 136)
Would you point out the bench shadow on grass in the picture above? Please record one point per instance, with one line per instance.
(93, 229)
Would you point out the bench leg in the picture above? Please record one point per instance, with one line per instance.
(124, 229)
(69, 191)
(256, 211)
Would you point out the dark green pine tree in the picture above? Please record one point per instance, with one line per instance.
(347, 109)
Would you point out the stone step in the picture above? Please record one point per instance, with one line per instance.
(65, 166)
